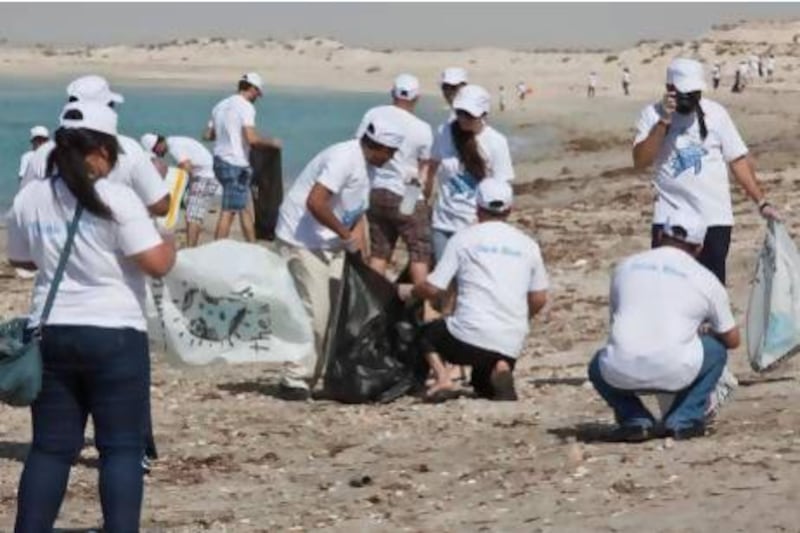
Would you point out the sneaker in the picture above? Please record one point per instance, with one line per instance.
(503, 387)
(698, 429)
(631, 433)
(293, 394)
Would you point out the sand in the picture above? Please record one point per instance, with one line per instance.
(237, 459)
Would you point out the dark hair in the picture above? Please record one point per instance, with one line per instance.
(468, 151)
(66, 162)
(701, 119)
(244, 86)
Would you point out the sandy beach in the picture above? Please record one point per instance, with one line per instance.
(234, 458)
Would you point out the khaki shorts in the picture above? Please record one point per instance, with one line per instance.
(386, 224)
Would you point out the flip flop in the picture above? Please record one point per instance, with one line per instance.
(441, 396)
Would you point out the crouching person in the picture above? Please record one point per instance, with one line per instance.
(321, 218)
(659, 301)
(501, 283)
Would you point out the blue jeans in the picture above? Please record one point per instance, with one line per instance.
(689, 406)
(439, 240)
(103, 372)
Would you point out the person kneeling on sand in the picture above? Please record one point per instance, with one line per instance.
(659, 301)
(502, 283)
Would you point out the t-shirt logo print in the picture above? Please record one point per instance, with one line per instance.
(687, 157)
(463, 184)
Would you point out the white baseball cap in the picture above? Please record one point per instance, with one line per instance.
(495, 195)
(454, 76)
(93, 88)
(406, 87)
(473, 99)
(686, 75)
(385, 132)
(149, 141)
(90, 115)
(690, 222)
(39, 131)
(255, 80)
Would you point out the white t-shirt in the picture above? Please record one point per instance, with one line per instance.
(23, 164)
(342, 170)
(689, 171)
(592, 80)
(495, 266)
(659, 299)
(455, 206)
(134, 169)
(100, 287)
(626, 77)
(230, 117)
(416, 147)
(187, 149)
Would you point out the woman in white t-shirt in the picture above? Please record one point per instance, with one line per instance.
(465, 151)
(693, 143)
(94, 343)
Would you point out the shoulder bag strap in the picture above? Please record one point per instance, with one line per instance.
(72, 229)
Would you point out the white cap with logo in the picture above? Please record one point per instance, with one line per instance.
(93, 89)
(254, 79)
(406, 87)
(473, 99)
(495, 195)
(39, 131)
(385, 133)
(90, 115)
(149, 141)
(690, 222)
(454, 76)
(686, 75)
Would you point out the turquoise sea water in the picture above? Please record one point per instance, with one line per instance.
(306, 120)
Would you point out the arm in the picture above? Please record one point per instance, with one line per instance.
(730, 339)
(430, 178)
(646, 151)
(156, 262)
(536, 301)
(160, 208)
(319, 205)
(254, 139)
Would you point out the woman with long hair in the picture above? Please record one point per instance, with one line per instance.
(465, 152)
(94, 342)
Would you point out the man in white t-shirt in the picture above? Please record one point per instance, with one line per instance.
(770, 67)
(133, 169)
(401, 177)
(453, 79)
(39, 135)
(693, 143)
(592, 87)
(320, 219)
(233, 129)
(502, 283)
(659, 301)
(626, 81)
(716, 75)
(197, 161)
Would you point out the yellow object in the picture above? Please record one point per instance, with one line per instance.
(176, 181)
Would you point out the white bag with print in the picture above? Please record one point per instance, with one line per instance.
(228, 301)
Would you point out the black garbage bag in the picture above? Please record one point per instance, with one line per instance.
(373, 353)
(267, 189)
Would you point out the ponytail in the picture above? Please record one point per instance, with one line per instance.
(67, 162)
(468, 151)
(701, 121)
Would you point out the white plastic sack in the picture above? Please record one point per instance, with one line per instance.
(773, 313)
(228, 301)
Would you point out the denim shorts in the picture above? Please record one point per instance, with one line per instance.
(235, 182)
(439, 239)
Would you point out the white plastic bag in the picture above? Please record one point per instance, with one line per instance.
(228, 301)
(773, 312)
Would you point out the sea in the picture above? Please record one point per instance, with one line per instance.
(307, 120)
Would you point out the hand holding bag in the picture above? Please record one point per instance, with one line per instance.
(21, 361)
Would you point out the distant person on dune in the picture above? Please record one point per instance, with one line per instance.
(233, 130)
(626, 81)
(522, 92)
(716, 75)
(197, 161)
(592, 86)
(770, 67)
(694, 145)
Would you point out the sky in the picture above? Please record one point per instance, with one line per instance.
(380, 25)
